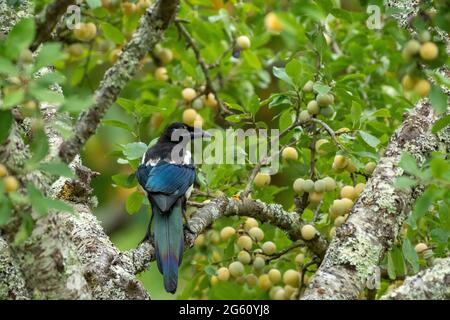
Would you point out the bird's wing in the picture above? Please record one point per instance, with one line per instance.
(168, 182)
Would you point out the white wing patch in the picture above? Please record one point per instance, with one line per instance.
(152, 162)
(189, 192)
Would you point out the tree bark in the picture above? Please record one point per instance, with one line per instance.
(429, 284)
(375, 221)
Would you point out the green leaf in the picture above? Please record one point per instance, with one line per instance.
(57, 168)
(410, 255)
(25, 229)
(38, 201)
(126, 104)
(253, 105)
(369, 139)
(421, 207)
(438, 99)
(7, 67)
(251, 59)
(77, 103)
(134, 150)
(235, 117)
(278, 99)
(408, 163)
(321, 88)
(235, 106)
(441, 124)
(398, 261)
(210, 270)
(45, 94)
(58, 205)
(125, 180)
(112, 33)
(281, 74)
(5, 211)
(19, 38)
(355, 112)
(94, 3)
(294, 70)
(405, 182)
(49, 53)
(134, 202)
(39, 146)
(382, 113)
(13, 98)
(5, 124)
(117, 124)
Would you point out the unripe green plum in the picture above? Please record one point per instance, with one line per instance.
(319, 186)
(330, 184)
(339, 221)
(308, 232)
(227, 232)
(327, 111)
(291, 277)
(258, 263)
(252, 280)
(223, 274)
(245, 242)
(264, 282)
(269, 247)
(308, 185)
(304, 116)
(313, 107)
(298, 185)
(244, 257)
(369, 167)
(279, 295)
(256, 233)
(250, 223)
(308, 87)
(300, 258)
(274, 275)
(324, 100)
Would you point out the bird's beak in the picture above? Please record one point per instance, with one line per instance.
(199, 133)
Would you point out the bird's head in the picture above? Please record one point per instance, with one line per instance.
(178, 131)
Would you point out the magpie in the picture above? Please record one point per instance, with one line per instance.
(167, 174)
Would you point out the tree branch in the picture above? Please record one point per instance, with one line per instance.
(223, 206)
(12, 284)
(429, 284)
(48, 19)
(203, 65)
(152, 25)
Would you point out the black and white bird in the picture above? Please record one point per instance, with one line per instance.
(167, 174)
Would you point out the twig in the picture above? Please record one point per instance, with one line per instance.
(330, 132)
(285, 250)
(195, 204)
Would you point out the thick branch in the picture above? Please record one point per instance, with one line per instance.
(429, 284)
(378, 215)
(12, 284)
(48, 19)
(70, 257)
(220, 207)
(149, 33)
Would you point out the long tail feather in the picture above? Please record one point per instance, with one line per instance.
(169, 240)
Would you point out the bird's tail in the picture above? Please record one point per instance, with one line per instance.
(169, 243)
